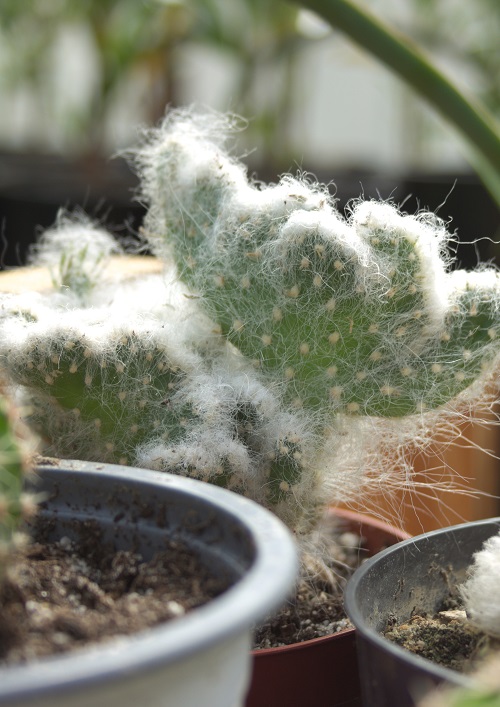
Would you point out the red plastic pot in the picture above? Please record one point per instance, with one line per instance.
(322, 672)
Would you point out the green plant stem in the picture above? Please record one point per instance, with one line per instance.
(398, 53)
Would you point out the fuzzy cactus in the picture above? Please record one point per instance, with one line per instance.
(15, 504)
(357, 318)
(280, 341)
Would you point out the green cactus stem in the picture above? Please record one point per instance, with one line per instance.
(358, 317)
(279, 341)
(113, 397)
(15, 504)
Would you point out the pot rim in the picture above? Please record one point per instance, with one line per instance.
(260, 590)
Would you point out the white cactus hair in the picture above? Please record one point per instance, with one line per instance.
(306, 349)
(480, 591)
(193, 128)
(76, 251)
(72, 229)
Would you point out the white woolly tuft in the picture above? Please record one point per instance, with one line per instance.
(485, 279)
(429, 236)
(202, 454)
(194, 144)
(73, 232)
(76, 252)
(277, 200)
(480, 591)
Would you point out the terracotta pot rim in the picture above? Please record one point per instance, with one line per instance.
(366, 519)
(303, 645)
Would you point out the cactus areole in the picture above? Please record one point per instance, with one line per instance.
(281, 344)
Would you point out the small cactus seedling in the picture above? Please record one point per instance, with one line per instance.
(279, 330)
(76, 254)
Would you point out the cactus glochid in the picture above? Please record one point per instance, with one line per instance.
(276, 328)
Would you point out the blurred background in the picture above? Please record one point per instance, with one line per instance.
(80, 78)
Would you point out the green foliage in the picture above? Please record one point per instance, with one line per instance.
(131, 45)
(478, 699)
(466, 34)
(478, 128)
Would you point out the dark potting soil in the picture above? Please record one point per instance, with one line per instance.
(312, 613)
(316, 609)
(64, 595)
(446, 638)
(59, 597)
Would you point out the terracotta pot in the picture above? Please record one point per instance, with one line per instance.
(322, 672)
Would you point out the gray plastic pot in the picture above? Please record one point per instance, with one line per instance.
(414, 575)
(202, 658)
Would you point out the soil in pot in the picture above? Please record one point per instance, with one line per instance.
(60, 596)
(444, 637)
(414, 578)
(317, 607)
(321, 671)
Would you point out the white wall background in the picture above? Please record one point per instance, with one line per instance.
(348, 110)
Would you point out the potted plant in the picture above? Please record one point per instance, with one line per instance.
(480, 598)
(298, 348)
(400, 632)
(290, 352)
(271, 672)
(243, 557)
(321, 670)
(413, 578)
